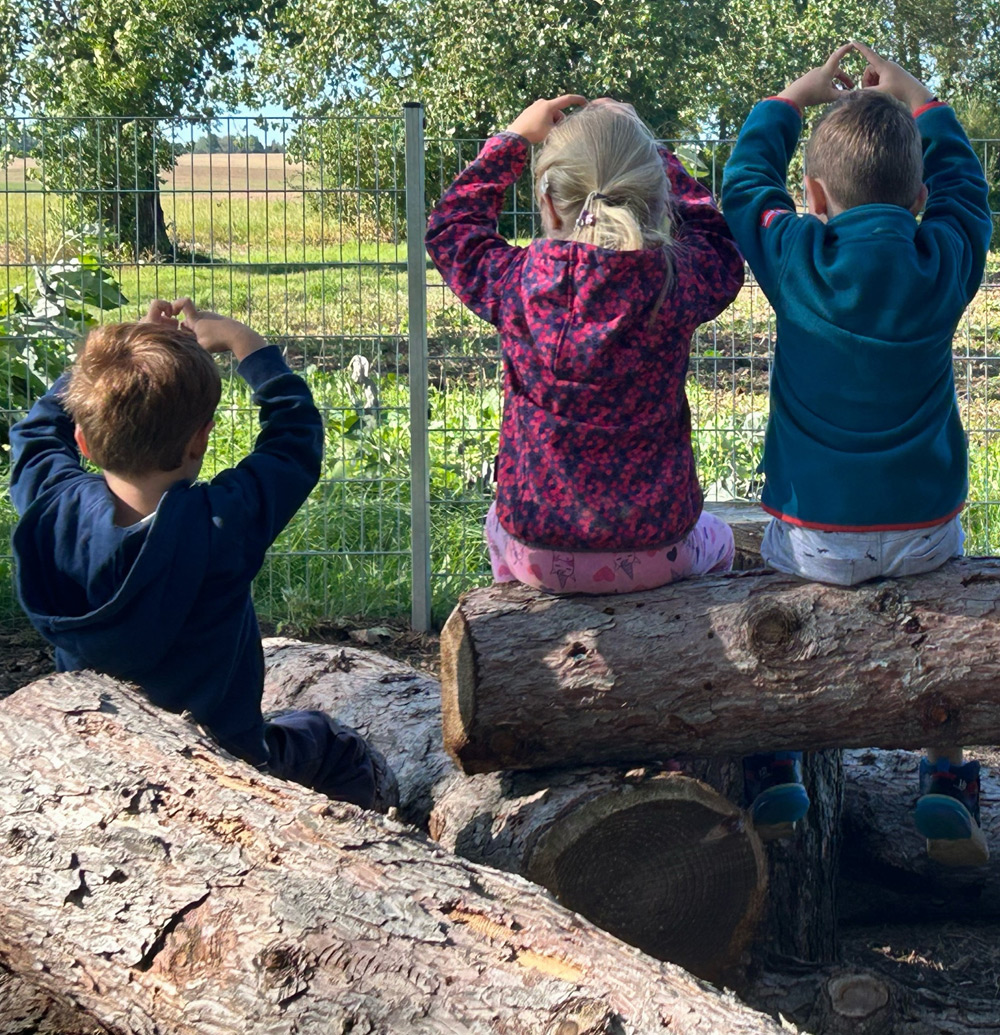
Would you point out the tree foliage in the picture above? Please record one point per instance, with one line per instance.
(685, 64)
(139, 61)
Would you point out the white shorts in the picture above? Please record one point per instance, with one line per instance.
(847, 558)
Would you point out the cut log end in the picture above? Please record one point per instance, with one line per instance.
(458, 678)
(652, 863)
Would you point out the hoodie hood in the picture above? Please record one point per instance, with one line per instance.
(112, 598)
(587, 311)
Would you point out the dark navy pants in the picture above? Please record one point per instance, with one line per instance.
(311, 748)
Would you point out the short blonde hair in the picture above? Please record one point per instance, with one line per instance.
(138, 392)
(867, 150)
(604, 150)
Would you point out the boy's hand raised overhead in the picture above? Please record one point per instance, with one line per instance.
(536, 121)
(216, 333)
(889, 77)
(821, 85)
(160, 311)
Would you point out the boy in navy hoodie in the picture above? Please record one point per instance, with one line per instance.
(864, 456)
(141, 573)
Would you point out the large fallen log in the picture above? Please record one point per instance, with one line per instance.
(660, 860)
(723, 664)
(166, 888)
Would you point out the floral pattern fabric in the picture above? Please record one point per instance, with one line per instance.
(595, 444)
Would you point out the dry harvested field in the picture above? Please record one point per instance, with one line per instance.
(15, 176)
(268, 177)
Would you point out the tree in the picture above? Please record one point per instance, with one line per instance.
(652, 52)
(107, 75)
(695, 65)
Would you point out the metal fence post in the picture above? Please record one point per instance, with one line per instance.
(416, 273)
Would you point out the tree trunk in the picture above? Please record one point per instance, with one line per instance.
(725, 664)
(391, 704)
(886, 875)
(136, 212)
(651, 855)
(27, 1010)
(167, 888)
(661, 860)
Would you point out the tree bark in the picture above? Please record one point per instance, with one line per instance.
(724, 664)
(626, 848)
(27, 1010)
(657, 858)
(838, 1000)
(167, 888)
(391, 704)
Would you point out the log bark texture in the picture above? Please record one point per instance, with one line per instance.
(723, 664)
(657, 858)
(838, 1000)
(166, 888)
(390, 703)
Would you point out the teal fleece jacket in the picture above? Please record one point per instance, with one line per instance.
(864, 431)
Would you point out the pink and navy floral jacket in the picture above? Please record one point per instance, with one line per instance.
(595, 446)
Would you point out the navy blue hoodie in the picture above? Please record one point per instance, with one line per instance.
(164, 603)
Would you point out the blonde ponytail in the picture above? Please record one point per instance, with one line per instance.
(606, 181)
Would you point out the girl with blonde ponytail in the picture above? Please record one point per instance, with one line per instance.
(596, 483)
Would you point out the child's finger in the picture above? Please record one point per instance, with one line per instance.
(158, 310)
(185, 306)
(869, 78)
(867, 53)
(567, 100)
(842, 77)
(833, 62)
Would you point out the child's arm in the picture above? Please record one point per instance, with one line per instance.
(708, 267)
(265, 489)
(43, 448)
(462, 238)
(755, 198)
(957, 209)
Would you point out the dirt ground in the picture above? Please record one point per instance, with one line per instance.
(956, 960)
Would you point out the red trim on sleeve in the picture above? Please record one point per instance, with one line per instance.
(785, 100)
(768, 217)
(932, 103)
(860, 528)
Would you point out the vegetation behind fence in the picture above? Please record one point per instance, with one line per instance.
(298, 228)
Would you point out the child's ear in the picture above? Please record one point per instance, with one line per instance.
(917, 207)
(198, 445)
(81, 442)
(816, 198)
(550, 218)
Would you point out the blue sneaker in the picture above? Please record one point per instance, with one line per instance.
(947, 813)
(774, 790)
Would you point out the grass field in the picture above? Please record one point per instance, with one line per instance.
(259, 243)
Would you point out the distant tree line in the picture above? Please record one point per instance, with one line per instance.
(211, 143)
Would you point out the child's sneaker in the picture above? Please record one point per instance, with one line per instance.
(774, 790)
(947, 813)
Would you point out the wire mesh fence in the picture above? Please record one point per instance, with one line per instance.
(299, 228)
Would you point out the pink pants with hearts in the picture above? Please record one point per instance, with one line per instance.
(706, 548)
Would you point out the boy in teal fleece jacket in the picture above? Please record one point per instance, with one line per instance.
(864, 455)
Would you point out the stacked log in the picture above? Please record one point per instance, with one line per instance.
(723, 665)
(658, 858)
